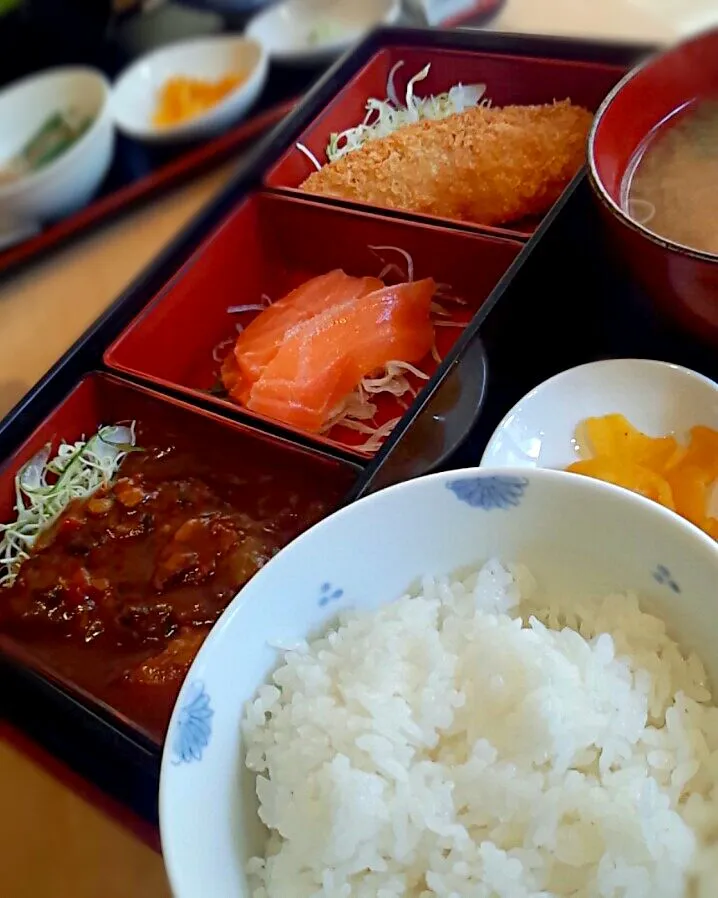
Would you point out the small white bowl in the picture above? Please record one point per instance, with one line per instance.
(136, 92)
(657, 397)
(69, 182)
(310, 31)
(578, 536)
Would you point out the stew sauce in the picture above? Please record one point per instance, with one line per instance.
(121, 591)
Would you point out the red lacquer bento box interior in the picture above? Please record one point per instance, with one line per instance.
(509, 80)
(271, 244)
(249, 460)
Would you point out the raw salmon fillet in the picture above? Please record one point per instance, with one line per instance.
(230, 376)
(257, 345)
(323, 360)
(485, 165)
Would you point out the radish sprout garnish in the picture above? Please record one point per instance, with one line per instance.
(46, 485)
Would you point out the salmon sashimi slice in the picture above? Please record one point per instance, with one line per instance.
(257, 345)
(237, 387)
(323, 360)
(229, 374)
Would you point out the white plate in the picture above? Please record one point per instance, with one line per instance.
(577, 535)
(656, 397)
(309, 31)
(135, 94)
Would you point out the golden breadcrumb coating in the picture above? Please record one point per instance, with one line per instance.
(486, 165)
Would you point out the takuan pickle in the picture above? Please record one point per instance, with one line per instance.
(678, 476)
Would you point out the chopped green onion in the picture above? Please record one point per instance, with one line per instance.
(55, 136)
(46, 485)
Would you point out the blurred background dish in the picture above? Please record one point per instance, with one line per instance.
(194, 67)
(235, 13)
(656, 22)
(453, 13)
(686, 18)
(308, 31)
(56, 144)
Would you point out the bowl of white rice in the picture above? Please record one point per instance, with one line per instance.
(477, 684)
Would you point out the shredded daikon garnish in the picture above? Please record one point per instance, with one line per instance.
(265, 301)
(357, 411)
(383, 117)
(377, 436)
(310, 156)
(251, 307)
(446, 294)
(362, 424)
(352, 410)
(391, 266)
(219, 351)
(45, 486)
(392, 380)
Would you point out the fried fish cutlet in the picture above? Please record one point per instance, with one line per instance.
(486, 165)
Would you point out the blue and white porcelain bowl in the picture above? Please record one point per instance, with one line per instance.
(578, 536)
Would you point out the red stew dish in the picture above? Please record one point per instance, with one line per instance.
(120, 590)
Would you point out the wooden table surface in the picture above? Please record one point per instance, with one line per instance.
(56, 844)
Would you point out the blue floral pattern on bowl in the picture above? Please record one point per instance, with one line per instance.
(489, 493)
(663, 576)
(328, 593)
(193, 728)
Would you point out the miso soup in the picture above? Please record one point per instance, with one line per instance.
(672, 186)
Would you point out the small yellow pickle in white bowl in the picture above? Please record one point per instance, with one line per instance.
(647, 426)
(190, 90)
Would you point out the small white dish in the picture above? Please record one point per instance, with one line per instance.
(69, 181)
(136, 91)
(578, 536)
(657, 397)
(310, 31)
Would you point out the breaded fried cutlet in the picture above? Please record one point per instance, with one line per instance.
(486, 165)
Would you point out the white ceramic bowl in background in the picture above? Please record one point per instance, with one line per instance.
(579, 536)
(657, 397)
(310, 31)
(136, 91)
(68, 182)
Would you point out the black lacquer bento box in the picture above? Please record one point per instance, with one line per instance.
(535, 299)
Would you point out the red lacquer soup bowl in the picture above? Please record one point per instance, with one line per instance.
(681, 281)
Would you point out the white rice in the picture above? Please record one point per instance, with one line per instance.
(475, 740)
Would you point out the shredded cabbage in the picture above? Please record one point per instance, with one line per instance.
(383, 117)
(45, 486)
